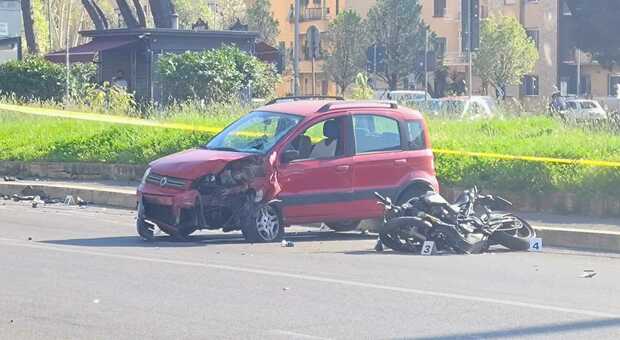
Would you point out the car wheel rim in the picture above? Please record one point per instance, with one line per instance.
(267, 223)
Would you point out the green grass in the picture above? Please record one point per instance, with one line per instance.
(29, 138)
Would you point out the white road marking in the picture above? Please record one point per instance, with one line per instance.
(462, 297)
(296, 335)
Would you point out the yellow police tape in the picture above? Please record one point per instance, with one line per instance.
(189, 127)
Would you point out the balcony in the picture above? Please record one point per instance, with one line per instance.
(310, 14)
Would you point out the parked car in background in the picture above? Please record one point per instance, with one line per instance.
(585, 110)
(404, 96)
(468, 108)
(293, 161)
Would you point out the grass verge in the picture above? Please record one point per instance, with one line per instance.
(31, 138)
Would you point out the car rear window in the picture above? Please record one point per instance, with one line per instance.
(415, 138)
(376, 133)
(588, 105)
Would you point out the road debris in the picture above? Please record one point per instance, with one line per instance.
(287, 244)
(10, 179)
(80, 202)
(588, 274)
(285, 288)
(29, 238)
(96, 301)
(69, 200)
(37, 201)
(379, 245)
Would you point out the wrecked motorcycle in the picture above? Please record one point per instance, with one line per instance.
(469, 226)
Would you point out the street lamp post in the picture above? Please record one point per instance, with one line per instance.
(296, 51)
(67, 63)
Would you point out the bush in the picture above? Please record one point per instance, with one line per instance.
(215, 75)
(36, 79)
(32, 78)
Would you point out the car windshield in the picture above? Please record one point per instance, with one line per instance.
(256, 132)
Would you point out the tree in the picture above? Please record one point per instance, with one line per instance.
(345, 43)
(162, 11)
(261, 19)
(95, 14)
(595, 29)
(506, 53)
(29, 32)
(189, 11)
(397, 25)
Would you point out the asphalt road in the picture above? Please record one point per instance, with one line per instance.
(69, 273)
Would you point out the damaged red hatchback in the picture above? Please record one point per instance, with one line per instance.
(294, 161)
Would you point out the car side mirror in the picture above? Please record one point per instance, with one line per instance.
(290, 155)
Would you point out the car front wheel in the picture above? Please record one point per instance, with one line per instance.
(263, 225)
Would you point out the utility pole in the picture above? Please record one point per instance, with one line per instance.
(578, 73)
(67, 63)
(49, 25)
(469, 53)
(425, 65)
(296, 51)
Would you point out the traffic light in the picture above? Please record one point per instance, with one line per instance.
(470, 24)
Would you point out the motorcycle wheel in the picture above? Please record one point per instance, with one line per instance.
(398, 243)
(517, 239)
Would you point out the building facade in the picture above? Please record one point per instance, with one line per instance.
(547, 22)
(10, 29)
(314, 14)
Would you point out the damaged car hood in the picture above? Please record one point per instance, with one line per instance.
(194, 163)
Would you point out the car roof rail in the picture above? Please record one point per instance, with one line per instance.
(296, 98)
(360, 104)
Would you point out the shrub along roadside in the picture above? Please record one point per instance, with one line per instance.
(29, 138)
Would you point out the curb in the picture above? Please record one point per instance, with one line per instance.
(579, 239)
(118, 198)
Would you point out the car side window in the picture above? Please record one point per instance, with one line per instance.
(416, 135)
(322, 140)
(376, 133)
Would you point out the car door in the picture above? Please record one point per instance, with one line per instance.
(380, 162)
(318, 187)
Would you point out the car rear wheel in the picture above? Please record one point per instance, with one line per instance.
(343, 225)
(263, 225)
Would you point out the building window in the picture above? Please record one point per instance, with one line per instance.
(530, 86)
(614, 82)
(440, 8)
(440, 47)
(534, 35)
(586, 85)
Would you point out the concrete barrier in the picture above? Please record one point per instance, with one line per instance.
(73, 171)
(119, 198)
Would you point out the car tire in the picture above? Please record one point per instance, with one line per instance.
(341, 226)
(263, 225)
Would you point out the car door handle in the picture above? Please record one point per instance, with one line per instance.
(400, 162)
(342, 168)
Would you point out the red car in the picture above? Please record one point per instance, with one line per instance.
(294, 161)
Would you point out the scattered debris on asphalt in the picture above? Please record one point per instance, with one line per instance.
(37, 201)
(80, 202)
(69, 200)
(10, 179)
(96, 301)
(588, 274)
(379, 245)
(287, 244)
(29, 238)
(285, 288)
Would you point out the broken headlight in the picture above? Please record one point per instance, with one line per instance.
(146, 175)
